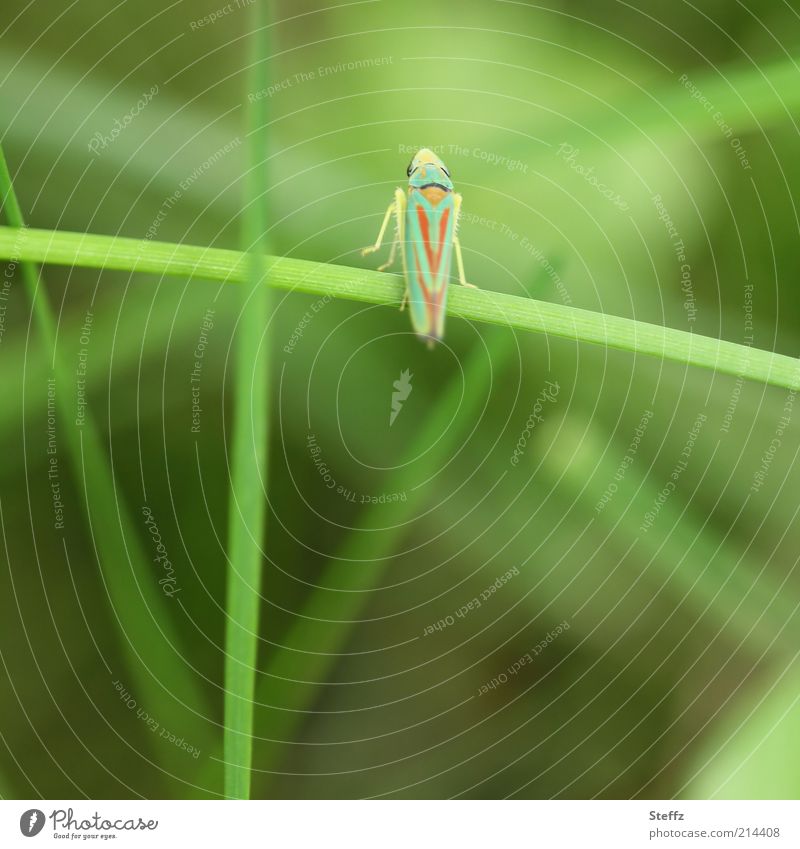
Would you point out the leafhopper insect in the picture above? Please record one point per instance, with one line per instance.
(426, 218)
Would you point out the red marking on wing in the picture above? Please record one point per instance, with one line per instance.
(426, 236)
(424, 225)
(421, 279)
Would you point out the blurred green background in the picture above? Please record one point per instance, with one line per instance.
(635, 161)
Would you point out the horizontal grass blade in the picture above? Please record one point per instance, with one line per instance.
(373, 287)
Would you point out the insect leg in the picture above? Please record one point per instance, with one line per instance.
(379, 241)
(461, 279)
(399, 209)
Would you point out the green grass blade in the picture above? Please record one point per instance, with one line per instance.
(165, 685)
(247, 505)
(376, 288)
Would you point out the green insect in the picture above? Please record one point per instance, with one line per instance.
(427, 229)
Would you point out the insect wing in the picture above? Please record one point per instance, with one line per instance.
(428, 247)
